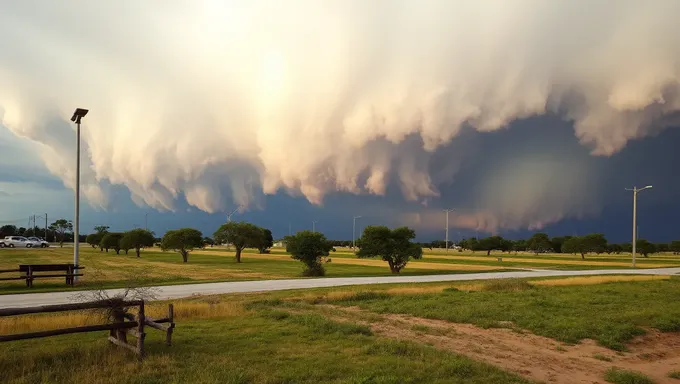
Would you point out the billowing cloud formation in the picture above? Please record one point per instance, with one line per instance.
(219, 100)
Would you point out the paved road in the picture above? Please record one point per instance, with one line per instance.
(180, 291)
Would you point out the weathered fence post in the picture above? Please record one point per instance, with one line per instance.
(141, 319)
(171, 325)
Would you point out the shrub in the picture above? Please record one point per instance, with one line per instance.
(620, 376)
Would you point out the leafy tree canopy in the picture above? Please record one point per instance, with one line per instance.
(182, 240)
(393, 246)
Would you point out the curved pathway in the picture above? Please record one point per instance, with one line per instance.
(186, 290)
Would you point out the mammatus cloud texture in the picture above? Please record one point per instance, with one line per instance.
(220, 101)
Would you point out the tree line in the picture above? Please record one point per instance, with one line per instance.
(542, 243)
(59, 231)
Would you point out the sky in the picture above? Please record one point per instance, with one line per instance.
(522, 116)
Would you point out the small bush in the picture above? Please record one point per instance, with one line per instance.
(620, 376)
(674, 375)
(451, 289)
(507, 285)
(602, 357)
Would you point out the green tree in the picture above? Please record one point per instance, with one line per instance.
(183, 241)
(556, 243)
(539, 243)
(644, 247)
(491, 243)
(674, 247)
(111, 240)
(266, 241)
(519, 246)
(662, 247)
(393, 246)
(595, 243)
(614, 248)
(309, 247)
(8, 230)
(136, 239)
(627, 247)
(101, 228)
(60, 227)
(94, 239)
(240, 235)
(574, 245)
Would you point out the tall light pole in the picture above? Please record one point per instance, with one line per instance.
(314, 225)
(354, 226)
(77, 116)
(447, 228)
(635, 193)
(146, 221)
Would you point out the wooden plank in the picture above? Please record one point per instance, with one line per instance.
(122, 344)
(66, 275)
(65, 331)
(9, 270)
(171, 316)
(12, 278)
(140, 331)
(155, 325)
(65, 307)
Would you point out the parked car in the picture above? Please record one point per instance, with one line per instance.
(16, 242)
(37, 242)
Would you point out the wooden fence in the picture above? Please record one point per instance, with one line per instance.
(123, 323)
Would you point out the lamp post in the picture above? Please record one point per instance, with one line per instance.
(447, 228)
(354, 226)
(635, 193)
(314, 226)
(77, 116)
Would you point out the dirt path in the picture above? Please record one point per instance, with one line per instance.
(536, 357)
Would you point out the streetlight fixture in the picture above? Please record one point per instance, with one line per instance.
(635, 193)
(77, 116)
(447, 228)
(354, 226)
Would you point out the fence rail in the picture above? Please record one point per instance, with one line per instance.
(124, 323)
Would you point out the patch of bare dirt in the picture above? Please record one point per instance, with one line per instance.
(536, 357)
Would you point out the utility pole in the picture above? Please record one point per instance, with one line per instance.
(146, 221)
(45, 226)
(314, 226)
(290, 233)
(354, 226)
(635, 193)
(232, 212)
(447, 228)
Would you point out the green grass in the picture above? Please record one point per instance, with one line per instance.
(602, 357)
(619, 376)
(674, 375)
(264, 345)
(611, 313)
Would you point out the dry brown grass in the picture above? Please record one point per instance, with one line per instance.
(205, 308)
(592, 280)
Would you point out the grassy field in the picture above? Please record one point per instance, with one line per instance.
(217, 264)
(350, 335)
